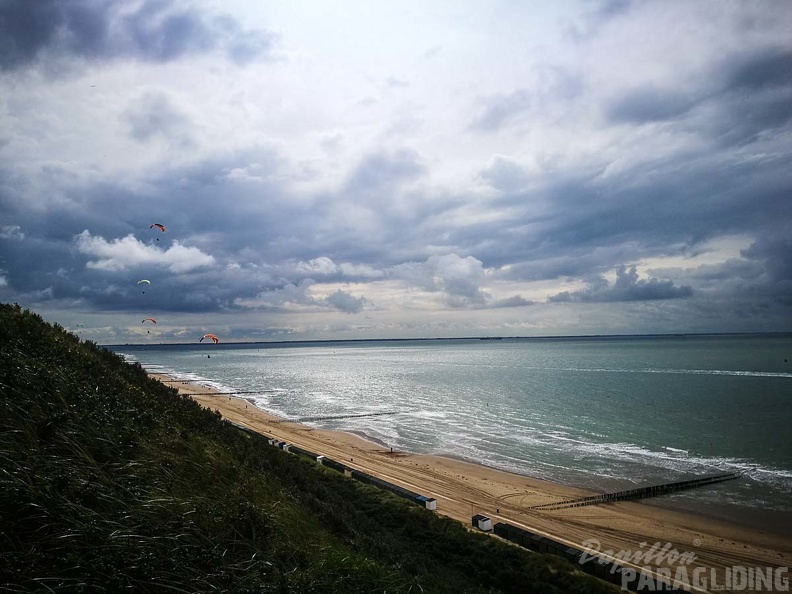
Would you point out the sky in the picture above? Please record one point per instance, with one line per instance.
(330, 170)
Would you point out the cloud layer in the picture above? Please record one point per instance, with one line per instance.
(575, 169)
(152, 30)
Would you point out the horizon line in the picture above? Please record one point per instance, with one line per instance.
(440, 338)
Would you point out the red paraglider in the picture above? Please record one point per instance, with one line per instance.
(158, 226)
(212, 337)
(149, 320)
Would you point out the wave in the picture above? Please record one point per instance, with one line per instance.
(671, 371)
(729, 372)
(675, 460)
(670, 449)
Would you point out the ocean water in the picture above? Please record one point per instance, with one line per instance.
(601, 413)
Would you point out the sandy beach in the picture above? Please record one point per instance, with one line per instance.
(463, 489)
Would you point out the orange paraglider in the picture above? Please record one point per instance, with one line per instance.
(212, 337)
(158, 226)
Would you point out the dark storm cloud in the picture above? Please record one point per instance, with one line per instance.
(774, 253)
(498, 111)
(768, 69)
(383, 169)
(599, 14)
(504, 174)
(737, 100)
(570, 224)
(160, 36)
(343, 301)
(155, 115)
(514, 301)
(742, 120)
(551, 85)
(627, 287)
(27, 27)
(609, 9)
(227, 208)
(156, 30)
(190, 201)
(753, 100)
(230, 208)
(649, 105)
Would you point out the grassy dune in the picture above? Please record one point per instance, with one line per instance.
(111, 481)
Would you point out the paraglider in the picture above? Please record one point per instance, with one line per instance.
(158, 226)
(148, 320)
(145, 282)
(212, 337)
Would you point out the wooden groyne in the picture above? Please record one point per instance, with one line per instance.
(640, 492)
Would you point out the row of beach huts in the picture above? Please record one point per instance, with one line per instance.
(598, 567)
(426, 502)
(429, 503)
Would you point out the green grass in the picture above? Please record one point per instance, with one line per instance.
(110, 482)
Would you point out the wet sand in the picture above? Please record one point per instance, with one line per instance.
(463, 489)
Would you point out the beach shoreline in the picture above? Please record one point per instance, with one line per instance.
(463, 488)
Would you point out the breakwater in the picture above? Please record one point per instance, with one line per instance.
(639, 492)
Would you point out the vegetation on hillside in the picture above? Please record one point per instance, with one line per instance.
(111, 481)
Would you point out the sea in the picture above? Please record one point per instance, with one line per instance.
(603, 413)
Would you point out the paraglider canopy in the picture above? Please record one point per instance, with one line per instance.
(212, 337)
(148, 282)
(158, 226)
(149, 320)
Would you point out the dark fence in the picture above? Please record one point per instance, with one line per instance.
(605, 570)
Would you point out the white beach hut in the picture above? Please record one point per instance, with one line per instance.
(482, 522)
(427, 502)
